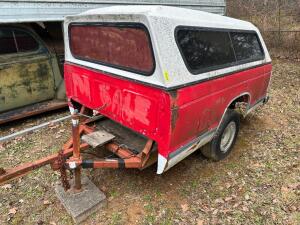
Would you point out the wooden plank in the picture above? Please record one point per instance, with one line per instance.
(98, 138)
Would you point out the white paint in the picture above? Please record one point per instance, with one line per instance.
(72, 165)
(161, 164)
(75, 122)
(95, 112)
(164, 164)
(161, 22)
(72, 110)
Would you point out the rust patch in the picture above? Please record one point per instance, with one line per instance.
(174, 108)
(25, 83)
(42, 71)
(31, 110)
(174, 117)
(173, 94)
(2, 99)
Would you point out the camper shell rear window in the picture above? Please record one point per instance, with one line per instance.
(125, 46)
(208, 49)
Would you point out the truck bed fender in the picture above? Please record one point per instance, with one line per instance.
(231, 103)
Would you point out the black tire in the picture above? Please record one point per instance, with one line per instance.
(213, 150)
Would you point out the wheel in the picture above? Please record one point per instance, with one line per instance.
(224, 138)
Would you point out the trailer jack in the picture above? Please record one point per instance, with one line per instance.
(69, 157)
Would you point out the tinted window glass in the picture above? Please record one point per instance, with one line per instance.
(124, 46)
(25, 42)
(205, 50)
(7, 42)
(246, 46)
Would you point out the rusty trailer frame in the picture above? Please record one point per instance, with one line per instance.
(69, 157)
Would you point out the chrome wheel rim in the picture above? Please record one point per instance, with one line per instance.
(228, 137)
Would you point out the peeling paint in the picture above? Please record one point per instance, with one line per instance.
(26, 80)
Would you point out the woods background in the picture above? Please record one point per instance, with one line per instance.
(278, 21)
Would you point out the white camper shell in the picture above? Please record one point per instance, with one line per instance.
(162, 22)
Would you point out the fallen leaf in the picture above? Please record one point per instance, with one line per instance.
(46, 202)
(219, 201)
(184, 207)
(40, 222)
(228, 185)
(200, 222)
(247, 197)
(236, 205)
(227, 199)
(245, 209)
(284, 189)
(103, 188)
(215, 211)
(7, 186)
(293, 208)
(61, 131)
(12, 211)
(295, 186)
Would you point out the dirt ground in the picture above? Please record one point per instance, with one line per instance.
(258, 184)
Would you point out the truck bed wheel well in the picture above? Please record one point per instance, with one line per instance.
(242, 99)
(240, 104)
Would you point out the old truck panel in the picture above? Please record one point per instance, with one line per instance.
(25, 79)
(171, 118)
(199, 108)
(142, 108)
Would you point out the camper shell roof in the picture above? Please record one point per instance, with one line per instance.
(161, 22)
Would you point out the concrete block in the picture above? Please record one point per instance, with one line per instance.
(82, 204)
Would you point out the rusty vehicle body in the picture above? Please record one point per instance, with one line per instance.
(166, 81)
(31, 81)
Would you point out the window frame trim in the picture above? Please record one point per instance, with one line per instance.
(14, 40)
(218, 67)
(37, 40)
(116, 24)
(31, 35)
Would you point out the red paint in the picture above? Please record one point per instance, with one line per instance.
(151, 111)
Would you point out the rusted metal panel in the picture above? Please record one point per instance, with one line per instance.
(31, 110)
(28, 79)
(12, 11)
(25, 79)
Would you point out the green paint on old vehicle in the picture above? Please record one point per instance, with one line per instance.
(29, 77)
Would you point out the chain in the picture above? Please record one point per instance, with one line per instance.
(62, 169)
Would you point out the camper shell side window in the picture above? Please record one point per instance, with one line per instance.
(125, 46)
(208, 49)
